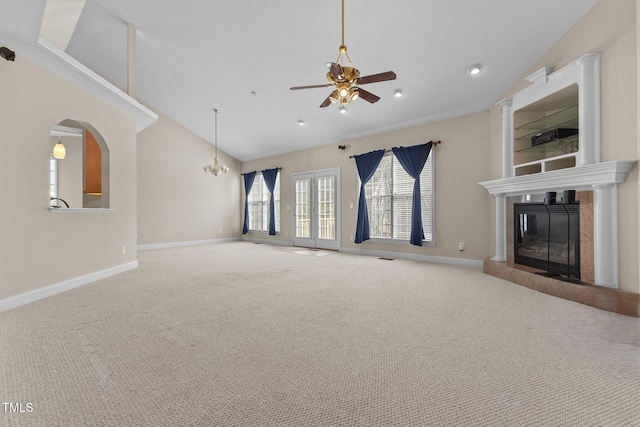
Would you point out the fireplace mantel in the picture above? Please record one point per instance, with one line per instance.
(601, 178)
(581, 178)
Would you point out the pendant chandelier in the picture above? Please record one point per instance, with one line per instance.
(216, 168)
(59, 150)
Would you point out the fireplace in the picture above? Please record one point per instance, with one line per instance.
(547, 237)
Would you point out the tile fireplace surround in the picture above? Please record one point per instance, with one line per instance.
(597, 189)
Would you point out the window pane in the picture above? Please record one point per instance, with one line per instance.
(326, 208)
(380, 217)
(276, 199)
(303, 208)
(255, 204)
(402, 196)
(53, 179)
(378, 191)
(255, 215)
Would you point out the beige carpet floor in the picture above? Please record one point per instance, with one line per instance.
(242, 334)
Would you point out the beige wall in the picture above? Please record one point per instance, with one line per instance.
(38, 247)
(609, 28)
(462, 206)
(177, 201)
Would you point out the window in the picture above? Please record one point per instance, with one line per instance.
(389, 194)
(259, 204)
(53, 180)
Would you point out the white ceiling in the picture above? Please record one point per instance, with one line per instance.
(199, 54)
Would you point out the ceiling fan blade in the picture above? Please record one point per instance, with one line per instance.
(336, 70)
(326, 102)
(374, 78)
(368, 96)
(311, 87)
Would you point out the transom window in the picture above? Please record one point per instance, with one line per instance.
(389, 194)
(259, 204)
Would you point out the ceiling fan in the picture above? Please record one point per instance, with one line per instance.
(346, 79)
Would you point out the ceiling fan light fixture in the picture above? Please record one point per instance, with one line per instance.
(398, 93)
(346, 79)
(343, 110)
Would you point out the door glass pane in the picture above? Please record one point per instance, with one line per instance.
(326, 208)
(303, 208)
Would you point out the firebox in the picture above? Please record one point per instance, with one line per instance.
(547, 237)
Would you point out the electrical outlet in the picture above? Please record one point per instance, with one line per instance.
(461, 246)
(351, 237)
(124, 250)
(220, 231)
(350, 205)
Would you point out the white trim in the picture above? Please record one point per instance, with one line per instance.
(93, 210)
(267, 241)
(57, 288)
(167, 245)
(58, 61)
(52, 58)
(577, 178)
(464, 262)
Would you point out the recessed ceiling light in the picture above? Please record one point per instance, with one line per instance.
(475, 69)
(301, 122)
(398, 93)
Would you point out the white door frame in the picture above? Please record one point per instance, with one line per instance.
(314, 241)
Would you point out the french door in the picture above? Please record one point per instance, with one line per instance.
(316, 219)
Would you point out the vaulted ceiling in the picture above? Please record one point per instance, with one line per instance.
(243, 56)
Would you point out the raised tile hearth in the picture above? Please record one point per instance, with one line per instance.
(595, 296)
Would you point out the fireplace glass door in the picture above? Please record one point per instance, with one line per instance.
(547, 237)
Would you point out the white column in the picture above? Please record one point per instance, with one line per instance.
(589, 109)
(501, 228)
(605, 234)
(507, 138)
(131, 60)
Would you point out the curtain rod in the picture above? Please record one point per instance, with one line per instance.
(389, 150)
(243, 173)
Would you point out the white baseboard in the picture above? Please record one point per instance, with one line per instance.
(186, 243)
(267, 241)
(465, 262)
(56, 288)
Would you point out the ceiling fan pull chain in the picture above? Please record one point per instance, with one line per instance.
(342, 22)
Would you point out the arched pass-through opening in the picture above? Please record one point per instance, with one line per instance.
(79, 178)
